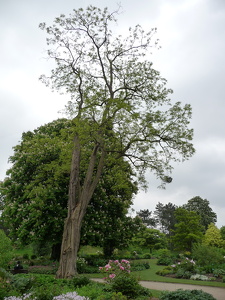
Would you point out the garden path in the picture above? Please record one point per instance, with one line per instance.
(216, 292)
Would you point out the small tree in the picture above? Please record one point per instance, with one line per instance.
(188, 230)
(213, 237)
(150, 238)
(202, 208)
(147, 218)
(115, 88)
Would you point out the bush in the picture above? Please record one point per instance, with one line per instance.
(165, 271)
(5, 250)
(128, 285)
(21, 283)
(139, 265)
(146, 256)
(79, 281)
(112, 296)
(187, 295)
(91, 291)
(218, 273)
(207, 255)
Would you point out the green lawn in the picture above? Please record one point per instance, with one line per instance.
(150, 275)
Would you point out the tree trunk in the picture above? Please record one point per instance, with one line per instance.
(70, 245)
(79, 197)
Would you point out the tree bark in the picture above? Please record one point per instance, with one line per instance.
(70, 244)
(79, 198)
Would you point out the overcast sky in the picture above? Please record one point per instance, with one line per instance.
(192, 36)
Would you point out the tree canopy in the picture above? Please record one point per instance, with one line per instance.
(213, 237)
(114, 86)
(37, 185)
(188, 229)
(202, 208)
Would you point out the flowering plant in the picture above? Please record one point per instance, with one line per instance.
(115, 268)
(68, 296)
(186, 264)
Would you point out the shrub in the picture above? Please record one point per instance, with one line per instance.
(165, 271)
(218, 273)
(165, 261)
(25, 256)
(129, 286)
(146, 256)
(182, 273)
(5, 249)
(21, 283)
(46, 292)
(187, 295)
(139, 265)
(165, 257)
(91, 291)
(207, 255)
(79, 281)
(112, 296)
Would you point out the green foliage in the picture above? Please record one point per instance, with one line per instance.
(186, 295)
(165, 217)
(21, 283)
(202, 208)
(5, 249)
(165, 257)
(129, 286)
(219, 273)
(222, 232)
(112, 296)
(38, 185)
(92, 291)
(207, 256)
(139, 265)
(213, 237)
(146, 217)
(188, 229)
(151, 238)
(79, 281)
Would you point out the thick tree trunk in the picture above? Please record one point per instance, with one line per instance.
(79, 198)
(70, 245)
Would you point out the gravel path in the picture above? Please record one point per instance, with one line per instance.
(217, 292)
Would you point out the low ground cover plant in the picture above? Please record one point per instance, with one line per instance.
(187, 295)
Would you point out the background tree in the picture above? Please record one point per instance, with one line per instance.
(126, 102)
(165, 219)
(150, 238)
(5, 250)
(37, 185)
(147, 218)
(188, 229)
(213, 237)
(202, 208)
(222, 232)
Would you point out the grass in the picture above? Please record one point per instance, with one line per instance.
(150, 275)
(25, 250)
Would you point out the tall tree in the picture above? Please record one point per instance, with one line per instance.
(115, 87)
(165, 217)
(37, 185)
(188, 229)
(202, 208)
(146, 217)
